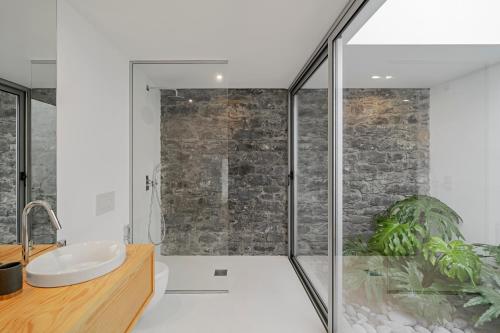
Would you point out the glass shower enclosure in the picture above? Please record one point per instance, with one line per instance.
(180, 157)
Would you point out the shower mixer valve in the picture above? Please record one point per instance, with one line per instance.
(149, 182)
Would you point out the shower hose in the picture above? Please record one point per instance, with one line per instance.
(155, 198)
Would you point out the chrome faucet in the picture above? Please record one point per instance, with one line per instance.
(24, 225)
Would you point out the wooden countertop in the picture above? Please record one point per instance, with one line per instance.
(76, 308)
(10, 253)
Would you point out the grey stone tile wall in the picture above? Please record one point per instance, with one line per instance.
(386, 157)
(43, 161)
(224, 167)
(311, 172)
(258, 169)
(8, 152)
(43, 171)
(45, 95)
(386, 152)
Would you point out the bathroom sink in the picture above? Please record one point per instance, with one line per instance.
(75, 263)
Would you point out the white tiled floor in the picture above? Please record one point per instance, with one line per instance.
(265, 296)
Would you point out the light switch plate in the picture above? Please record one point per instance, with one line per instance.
(104, 203)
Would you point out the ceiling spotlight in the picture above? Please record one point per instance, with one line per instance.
(406, 100)
(375, 77)
(219, 77)
(388, 77)
(190, 100)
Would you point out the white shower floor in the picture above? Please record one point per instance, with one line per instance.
(265, 296)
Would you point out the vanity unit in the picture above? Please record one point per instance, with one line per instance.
(110, 303)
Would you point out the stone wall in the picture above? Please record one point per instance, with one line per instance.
(43, 164)
(386, 157)
(8, 173)
(386, 152)
(224, 171)
(311, 172)
(43, 161)
(224, 160)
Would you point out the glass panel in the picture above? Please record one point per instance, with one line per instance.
(181, 128)
(421, 154)
(43, 148)
(9, 104)
(311, 179)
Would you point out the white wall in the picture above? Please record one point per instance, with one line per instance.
(146, 145)
(465, 151)
(27, 32)
(92, 129)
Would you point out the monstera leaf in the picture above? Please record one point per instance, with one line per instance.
(436, 217)
(455, 259)
(393, 238)
(486, 296)
(357, 247)
(427, 302)
(488, 250)
(366, 275)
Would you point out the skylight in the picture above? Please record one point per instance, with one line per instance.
(431, 22)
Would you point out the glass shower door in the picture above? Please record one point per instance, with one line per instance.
(181, 186)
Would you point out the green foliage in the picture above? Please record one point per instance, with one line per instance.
(427, 229)
(393, 238)
(455, 259)
(435, 216)
(426, 302)
(367, 275)
(492, 251)
(486, 296)
(357, 247)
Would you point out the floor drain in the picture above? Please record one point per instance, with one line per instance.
(220, 272)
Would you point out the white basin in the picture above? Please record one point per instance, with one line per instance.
(75, 263)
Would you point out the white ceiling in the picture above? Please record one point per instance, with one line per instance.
(422, 66)
(182, 76)
(265, 41)
(27, 32)
(397, 37)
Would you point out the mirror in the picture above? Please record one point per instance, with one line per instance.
(27, 116)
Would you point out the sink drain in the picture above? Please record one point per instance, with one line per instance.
(220, 272)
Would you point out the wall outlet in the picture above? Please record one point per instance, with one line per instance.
(104, 203)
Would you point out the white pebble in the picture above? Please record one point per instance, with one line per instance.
(362, 317)
(421, 329)
(402, 318)
(350, 311)
(356, 328)
(365, 309)
(439, 329)
(381, 318)
(460, 323)
(384, 329)
(368, 328)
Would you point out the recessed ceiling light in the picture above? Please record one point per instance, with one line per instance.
(219, 77)
(190, 101)
(375, 77)
(406, 100)
(388, 77)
